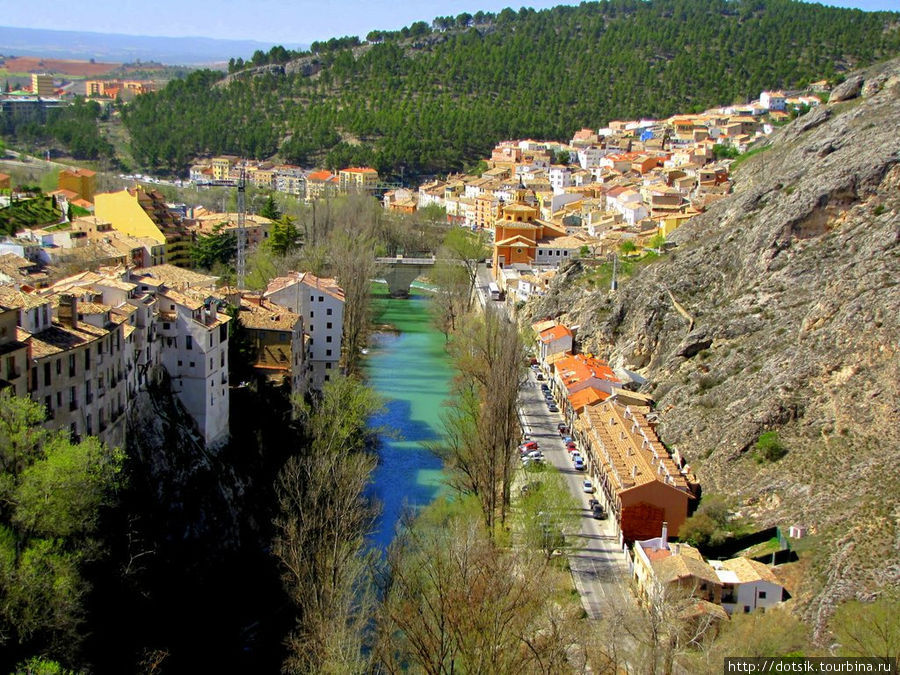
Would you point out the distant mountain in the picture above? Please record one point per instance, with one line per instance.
(124, 48)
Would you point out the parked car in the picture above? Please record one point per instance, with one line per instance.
(575, 456)
(540, 376)
(587, 486)
(563, 429)
(535, 454)
(598, 512)
(544, 387)
(552, 408)
(579, 464)
(568, 439)
(591, 502)
(529, 445)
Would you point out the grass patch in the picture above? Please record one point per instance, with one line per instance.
(747, 155)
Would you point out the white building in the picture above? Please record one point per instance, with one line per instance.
(590, 157)
(560, 177)
(747, 585)
(772, 100)
(321, 304)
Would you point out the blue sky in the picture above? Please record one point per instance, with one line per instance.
(271, 21)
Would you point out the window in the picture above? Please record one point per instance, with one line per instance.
(311, 328)
(210, 363)
(87, 359)
(327, 352)
(59, 366)
(192, 364)
(222, 359)
(312, 314)
(73, 432)
(189, 342)
(327, 338)
(48, 405)
(59, 399)
(328, 311)
(87, 426)
(47, 374)
(762, 595)
(311, 299)
(328, 325)
(73, 399)
(71, 365)
(746, 609)
(321, 299)
(328, 365)
(34, 377)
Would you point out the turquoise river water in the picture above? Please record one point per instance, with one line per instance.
(412, 373)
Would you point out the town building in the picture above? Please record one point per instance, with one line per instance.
(642, 484)
(14, 353)
(42, 85)
(320, 302)
(78, 181)
(276, 337)
(358, 179)
(142, 213)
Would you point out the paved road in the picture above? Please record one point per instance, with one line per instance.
(598, 564)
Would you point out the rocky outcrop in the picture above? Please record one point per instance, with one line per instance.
(792, 283)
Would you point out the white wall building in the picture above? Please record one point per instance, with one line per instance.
(321, 304)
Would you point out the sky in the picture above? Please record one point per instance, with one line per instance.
(270, 21)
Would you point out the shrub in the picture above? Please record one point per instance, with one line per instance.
(769, 447)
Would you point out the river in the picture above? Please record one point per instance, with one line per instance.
(411, 371)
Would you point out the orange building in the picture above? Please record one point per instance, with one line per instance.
(79, 181)
(517, 232)
(642, 484)
(5, 183)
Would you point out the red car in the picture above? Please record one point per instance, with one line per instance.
(528, 447)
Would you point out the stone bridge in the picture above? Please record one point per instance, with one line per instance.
(400, 272)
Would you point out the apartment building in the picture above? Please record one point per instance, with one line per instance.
(14, 353)
(276, 336)
(320, 302)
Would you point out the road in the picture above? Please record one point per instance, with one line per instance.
(598, 565)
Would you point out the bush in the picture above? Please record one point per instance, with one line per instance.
(769, 447)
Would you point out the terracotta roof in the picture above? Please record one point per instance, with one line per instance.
(175, 277)
(628, 448)
(678, 566)
(586, 397)
(557, 332)
(748, 570)
(15, 299)
(60, 338)
(320, 176)
(267, 316)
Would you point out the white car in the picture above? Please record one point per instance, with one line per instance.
(576, 456)
(588, 486)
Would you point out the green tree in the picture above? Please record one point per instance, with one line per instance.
(51, 494)
(548, 513)
(658, 241)
(284, 236)
(769, 447)
(217, 247)
(270, 209)
(628, 247)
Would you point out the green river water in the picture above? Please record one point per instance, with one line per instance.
(412, 373)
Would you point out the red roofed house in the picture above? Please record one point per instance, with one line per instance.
(321, 184)
(555, 340)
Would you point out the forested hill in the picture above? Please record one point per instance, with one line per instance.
(432, 99)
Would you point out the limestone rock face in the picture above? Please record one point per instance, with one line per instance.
(792, 286)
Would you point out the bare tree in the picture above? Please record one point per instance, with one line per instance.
(323, 519)
(455, 602)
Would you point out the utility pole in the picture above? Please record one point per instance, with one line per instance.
(614, 284)
(241, 232)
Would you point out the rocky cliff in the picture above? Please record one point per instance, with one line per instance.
(792, 288)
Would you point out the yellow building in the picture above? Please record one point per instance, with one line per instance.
(221, 166)
(142, 214)
(358, 178)
(42, 85)
(79, 181)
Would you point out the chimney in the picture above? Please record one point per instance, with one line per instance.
(665, 535)
(68, 310)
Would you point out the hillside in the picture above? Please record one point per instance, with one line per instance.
(792, 284)
(427, 100)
